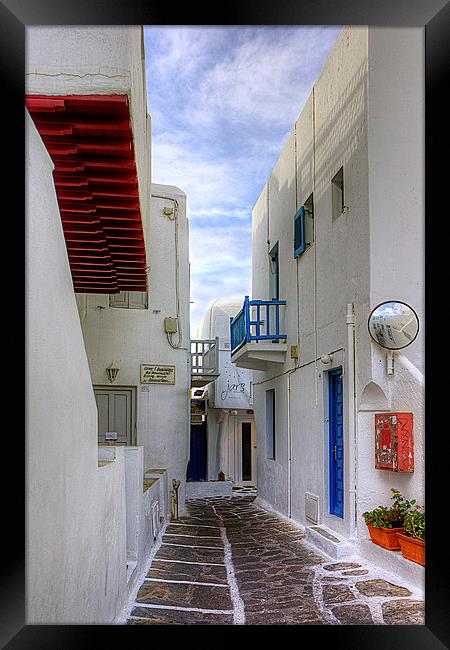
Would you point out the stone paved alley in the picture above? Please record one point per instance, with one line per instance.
(231, 562)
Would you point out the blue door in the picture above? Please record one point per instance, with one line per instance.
(336, 437)
(197, 466)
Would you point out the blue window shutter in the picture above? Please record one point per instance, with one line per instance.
(299, 232)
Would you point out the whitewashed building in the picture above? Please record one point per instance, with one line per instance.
(229, 427)
(353, 169)
(108, 354)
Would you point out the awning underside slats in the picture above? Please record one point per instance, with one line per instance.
(90, 142)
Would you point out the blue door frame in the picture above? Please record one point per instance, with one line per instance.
(336, 439)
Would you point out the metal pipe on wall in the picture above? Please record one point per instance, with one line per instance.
(351, 411)
(289, 447)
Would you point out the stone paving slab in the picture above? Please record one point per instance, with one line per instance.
(404, 612)
(337, 594)
(339, 566)
(277, 578)
(381, 588)
(191, 554)
(353, 615)
(177, 617)
(193, 541)
(292, 617)
(183, 572)
(203, 522)
(184, 595)
(194, 531)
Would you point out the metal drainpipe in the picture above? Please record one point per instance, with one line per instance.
(289, 446)
(351, 393)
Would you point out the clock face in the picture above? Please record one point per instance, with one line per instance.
(393, 325)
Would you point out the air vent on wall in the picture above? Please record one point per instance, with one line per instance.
(312, 508)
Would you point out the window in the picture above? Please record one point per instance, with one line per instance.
(299, 232)
(337, 194)
(129, 300)
(304, 227)
(309, 221)
(270, 424)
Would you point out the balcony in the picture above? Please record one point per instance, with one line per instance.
(256, 339)
(204, 361)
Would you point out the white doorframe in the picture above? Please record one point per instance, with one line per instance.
(239, 420)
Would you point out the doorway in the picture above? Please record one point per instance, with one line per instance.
(116, 414)
(198, 457)
(274, 291)
(336, 440)
(245, 456)
(274, 274)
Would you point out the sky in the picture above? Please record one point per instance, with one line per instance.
(223, 101)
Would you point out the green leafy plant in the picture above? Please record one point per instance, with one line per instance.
(393, 517)
(415, 524)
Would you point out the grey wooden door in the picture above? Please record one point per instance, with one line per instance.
(115, 413)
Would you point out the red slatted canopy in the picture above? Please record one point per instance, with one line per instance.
(90, 141)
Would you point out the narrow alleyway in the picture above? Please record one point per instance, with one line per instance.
(231, 562)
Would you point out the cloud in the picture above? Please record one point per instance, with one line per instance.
(223, 101)
(223, 266)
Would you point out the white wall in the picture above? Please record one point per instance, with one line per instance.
(329, 133)
(230, 391)
(85, 520)
(132, 337)
(396, 204)
(111, 60)
(86, 60)
(396, 181)
(355, 118)
(75, 510)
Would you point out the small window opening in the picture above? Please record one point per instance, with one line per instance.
(337, 194)
(270, 424)
(129, 300)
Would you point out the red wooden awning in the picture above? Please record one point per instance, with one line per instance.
(90, 141)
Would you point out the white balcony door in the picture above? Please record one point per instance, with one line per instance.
(274, 289)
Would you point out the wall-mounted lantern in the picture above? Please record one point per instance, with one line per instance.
(112, 371)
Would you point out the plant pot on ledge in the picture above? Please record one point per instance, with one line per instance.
(412, 549)
(385, 537)
(384, 524)
(412, 540)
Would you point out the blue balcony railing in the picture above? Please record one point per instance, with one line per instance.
(258, 320)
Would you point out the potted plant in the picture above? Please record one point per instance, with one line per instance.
(412, 539)
(384, 523)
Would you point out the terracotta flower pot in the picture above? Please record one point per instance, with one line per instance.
(412, 549)
(385, 537)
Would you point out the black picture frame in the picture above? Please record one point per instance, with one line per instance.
(15, 16)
